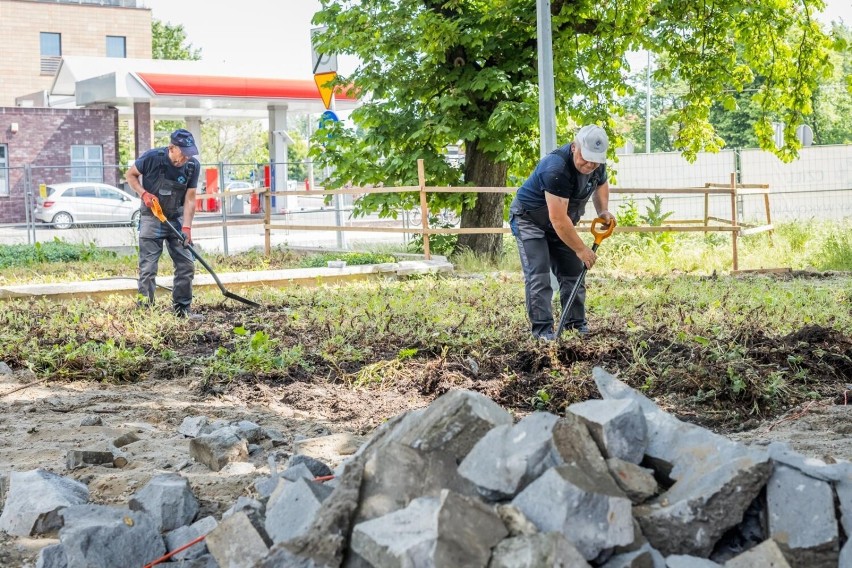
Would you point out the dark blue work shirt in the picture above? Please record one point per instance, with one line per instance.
(156, 161)
(556, 174)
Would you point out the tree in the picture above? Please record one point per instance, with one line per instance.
(436, 72)
(168, 41)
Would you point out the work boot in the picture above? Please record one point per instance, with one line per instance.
(183, 313)
(582, 329)
(546, 336)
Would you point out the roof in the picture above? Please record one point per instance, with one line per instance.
(182, 88)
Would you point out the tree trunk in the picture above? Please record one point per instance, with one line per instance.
(483, 171)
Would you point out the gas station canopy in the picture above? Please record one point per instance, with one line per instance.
(182, 89)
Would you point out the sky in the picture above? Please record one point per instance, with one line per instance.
(273, 37)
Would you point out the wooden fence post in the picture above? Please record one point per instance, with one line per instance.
(424, 208)
(267, 221)
(734, 233)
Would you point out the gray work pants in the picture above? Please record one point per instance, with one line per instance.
(152, 235)
(541, 252)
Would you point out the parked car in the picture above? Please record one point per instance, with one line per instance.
(67, 204)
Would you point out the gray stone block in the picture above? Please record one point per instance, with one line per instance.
(699, 508)
(186, 534)
(291, 508)
(636, 559)
(252, 432)
(569, 500)
(34, 500)
(781, 453)
(318, 468)
(765, 555)
(193, 426)
(686, 561)
(91, 420)
(716, 479)
(515, 521)
(205, 561)
(96, 536)
(82, 458)
(169, 500)
(126, 439)
(219, 448)
(235, 543)
(275, 436)
(573, 444)
(507, 458)
(450, 530)
(846, 555)
(298, 471)
(637, 482)
(544, 550)
(844, 497)
(801, 518)
(245, 505)
(52, 556)
(396, 474)
(618, 427)
(454, 423)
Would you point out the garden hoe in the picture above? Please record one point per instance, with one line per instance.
(599, 237)
(158, 213)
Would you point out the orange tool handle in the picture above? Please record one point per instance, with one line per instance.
(158, 211)
(601, 235)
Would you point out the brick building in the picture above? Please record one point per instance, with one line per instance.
(38, 142)
(36, 34)
(42, 145)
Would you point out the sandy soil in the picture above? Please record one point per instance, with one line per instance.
(41, 423)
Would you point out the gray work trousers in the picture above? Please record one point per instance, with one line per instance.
(542, 251)
(152, 235)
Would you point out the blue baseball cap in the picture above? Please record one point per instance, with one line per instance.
(184, 140)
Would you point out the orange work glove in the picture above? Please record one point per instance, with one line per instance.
(148, 199)
(187, 232)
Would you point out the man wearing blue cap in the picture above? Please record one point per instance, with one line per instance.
(543, 215)
(169, 175)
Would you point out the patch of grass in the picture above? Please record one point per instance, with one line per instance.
(351, 258)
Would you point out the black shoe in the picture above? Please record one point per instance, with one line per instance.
(581, 330)
(189, 316)
(548, 336)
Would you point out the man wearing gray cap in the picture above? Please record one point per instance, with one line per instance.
(543, 215)
(169, 175)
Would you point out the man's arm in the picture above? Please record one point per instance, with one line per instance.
(557, 210)
(134, 180)
(189, 207)
(601, 201)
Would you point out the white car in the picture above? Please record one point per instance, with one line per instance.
(74, 203)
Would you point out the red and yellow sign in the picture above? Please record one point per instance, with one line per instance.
(323, 81)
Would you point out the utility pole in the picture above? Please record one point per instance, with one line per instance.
(648, 107)
(546, 98)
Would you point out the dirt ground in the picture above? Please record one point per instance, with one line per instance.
(41, 423)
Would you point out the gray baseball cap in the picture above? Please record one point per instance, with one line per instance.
(593, 143)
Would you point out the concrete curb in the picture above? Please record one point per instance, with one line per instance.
(235, 280)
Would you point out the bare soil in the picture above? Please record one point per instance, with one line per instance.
(41, 423)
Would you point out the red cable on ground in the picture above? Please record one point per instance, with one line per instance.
(324, 478)
(175, 551)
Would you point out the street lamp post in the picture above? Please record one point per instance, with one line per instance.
(546, 98)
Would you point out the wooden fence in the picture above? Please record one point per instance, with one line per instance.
(707, 224)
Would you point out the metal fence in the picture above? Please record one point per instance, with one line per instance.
(817, 185)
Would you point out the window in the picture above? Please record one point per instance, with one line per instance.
(116, 46)
(4, 171)
(84, 191)
(87, 163)
(51, 52)
(107, 193)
